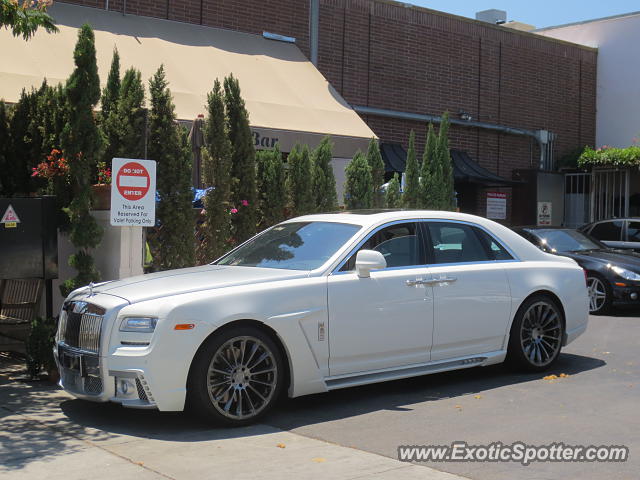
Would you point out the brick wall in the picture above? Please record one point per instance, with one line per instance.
(286, 17)
(383, 54)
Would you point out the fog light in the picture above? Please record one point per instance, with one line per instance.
(126, 387)
(634, 296)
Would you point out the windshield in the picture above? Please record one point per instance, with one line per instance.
(292, 246)
(565, 240)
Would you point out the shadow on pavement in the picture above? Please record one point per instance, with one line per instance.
(39, 421)
(297, 412)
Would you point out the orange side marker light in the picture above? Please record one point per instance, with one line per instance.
(184, 326)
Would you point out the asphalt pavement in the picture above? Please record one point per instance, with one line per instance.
(351, 433)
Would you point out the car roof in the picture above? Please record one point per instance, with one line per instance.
(374, 217)
(370, 219)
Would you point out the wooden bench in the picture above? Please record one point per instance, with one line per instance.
(19, 304)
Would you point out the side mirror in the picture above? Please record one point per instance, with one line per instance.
(367, 260)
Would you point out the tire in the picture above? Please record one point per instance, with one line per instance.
(600, 294)
(236, 377)
(536, 335)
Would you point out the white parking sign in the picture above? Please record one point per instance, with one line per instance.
(133, 192)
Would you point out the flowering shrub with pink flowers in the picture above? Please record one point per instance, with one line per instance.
(610, 156)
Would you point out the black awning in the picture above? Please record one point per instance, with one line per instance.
(466, 170)
(394, 156)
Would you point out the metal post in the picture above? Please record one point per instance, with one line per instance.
(314, 18)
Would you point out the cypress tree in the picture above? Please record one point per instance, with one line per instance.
(393, 198)
(374, 157)
(428, 178)
(216, 173)
(358, 191)
(447, 188)
(271, 186)
(324, 182)
(20, 153)
(130, 116)
(5, 145)
(243, 163)
(169, 147)
(410, 197)
(299, 183)
(108, 115)
(81, 143)
(111, 91)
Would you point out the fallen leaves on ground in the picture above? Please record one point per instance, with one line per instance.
(281, 445)
(478, 397)
(318, 459)
(555, 377)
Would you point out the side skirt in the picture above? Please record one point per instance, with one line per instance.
(406, 371)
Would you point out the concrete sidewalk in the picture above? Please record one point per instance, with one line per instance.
(45, 433)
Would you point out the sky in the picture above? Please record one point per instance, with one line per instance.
(540, 13)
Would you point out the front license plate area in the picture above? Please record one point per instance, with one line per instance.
(72, 361)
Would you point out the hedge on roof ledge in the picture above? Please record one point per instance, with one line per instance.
(609, 156)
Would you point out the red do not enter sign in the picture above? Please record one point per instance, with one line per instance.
(133, 181)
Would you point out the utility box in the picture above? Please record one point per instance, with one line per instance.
(540, 200)
(28, 238)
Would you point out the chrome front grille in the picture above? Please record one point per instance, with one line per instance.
(80, 326)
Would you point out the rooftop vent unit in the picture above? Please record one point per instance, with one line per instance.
(495, 16)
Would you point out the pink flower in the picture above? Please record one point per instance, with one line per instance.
(234, 210)
(244, 203)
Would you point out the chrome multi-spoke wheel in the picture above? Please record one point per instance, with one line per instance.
(536, 334)
(541, 333)
(598, 294)
(236, 376)
(242, 377)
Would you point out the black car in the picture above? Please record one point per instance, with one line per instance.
(613, 276)
(616, 232)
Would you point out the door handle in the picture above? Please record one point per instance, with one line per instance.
(446, 280)
(435, 281)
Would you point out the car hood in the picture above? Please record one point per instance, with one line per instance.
(621, 258)
(187, 280)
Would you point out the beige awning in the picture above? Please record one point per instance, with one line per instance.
(287, 97)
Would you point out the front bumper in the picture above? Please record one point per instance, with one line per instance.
(85, 375)
(626, 296)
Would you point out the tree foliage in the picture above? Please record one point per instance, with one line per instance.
(109, 109)
(24, 19)
(81, 142)
(169, 147)
(299, 183)
(374, 157)
(271, 186)
(358, 184)
(216, 173)
(411, 195)
(428, 171)
(393, 198)
(324, 182)
(5, 147)
(130, 116)
(446, 198)
(243, 165)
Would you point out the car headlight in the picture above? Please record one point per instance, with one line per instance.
(138, 324)
(626, 274)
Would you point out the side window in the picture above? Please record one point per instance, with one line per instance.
(496, 250)
(633, 231)
(398, 244)
(611, 231)
(456, 243)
